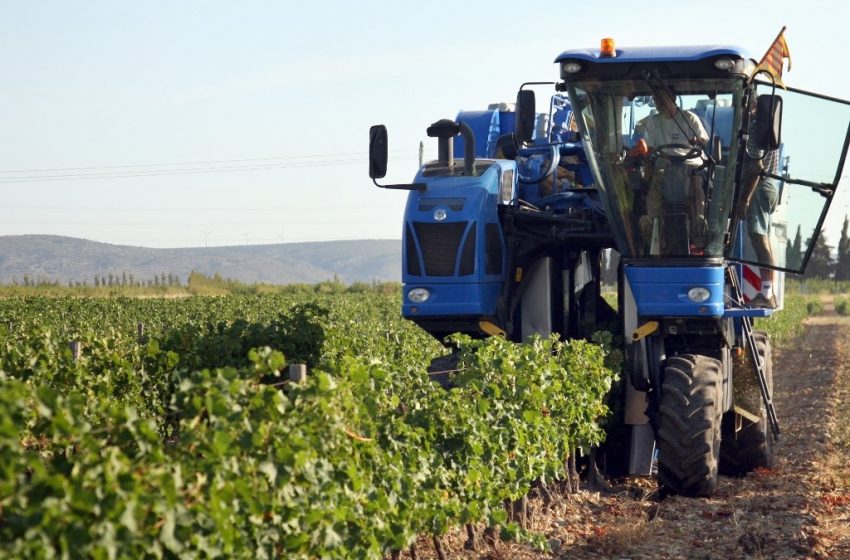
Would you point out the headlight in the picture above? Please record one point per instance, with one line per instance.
(724, 63)
(418, 295)
(571, 67)
(699, 294)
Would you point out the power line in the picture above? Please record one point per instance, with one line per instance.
(186, 171)
(396, 153)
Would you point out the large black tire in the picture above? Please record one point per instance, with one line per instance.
(752, 446)
(689, 418)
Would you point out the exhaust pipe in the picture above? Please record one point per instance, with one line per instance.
(445, 130)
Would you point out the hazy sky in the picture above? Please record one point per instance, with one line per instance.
(174, 124)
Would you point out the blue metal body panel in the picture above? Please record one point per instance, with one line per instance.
(486, 125)
(480, 194)
(662, 291)
(654, 54)
(452, 300)
(507, 121)
(470, 204)
(736, 312)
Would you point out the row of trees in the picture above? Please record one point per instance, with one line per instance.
(821, 263)
(129, 279)
(104, 281)
(196, 283)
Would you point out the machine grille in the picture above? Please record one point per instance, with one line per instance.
(492, 249)
(467, 257)
(428, 204)
(413, 266)
(439, 244)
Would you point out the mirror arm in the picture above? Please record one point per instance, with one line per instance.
(827, 190)
(403, 187)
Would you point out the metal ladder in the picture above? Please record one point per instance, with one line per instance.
(747, 324)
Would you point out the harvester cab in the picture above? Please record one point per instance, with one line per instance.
(667, 130)
(642, 154)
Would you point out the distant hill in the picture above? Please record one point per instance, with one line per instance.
(50, 257)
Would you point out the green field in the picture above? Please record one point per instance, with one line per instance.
(174, 432)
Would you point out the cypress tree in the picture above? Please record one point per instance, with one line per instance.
(842, 266)
(794, 251)
(820, 263)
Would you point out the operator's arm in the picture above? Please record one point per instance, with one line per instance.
(700, 135)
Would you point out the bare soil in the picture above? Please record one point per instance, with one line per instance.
(798, 509)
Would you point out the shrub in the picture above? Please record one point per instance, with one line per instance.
(814, 307)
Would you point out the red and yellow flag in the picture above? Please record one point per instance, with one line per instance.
(773, 60)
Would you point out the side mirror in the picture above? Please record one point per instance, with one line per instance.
(768, 130)
(526, 115)
(378, 150)
(378, 156)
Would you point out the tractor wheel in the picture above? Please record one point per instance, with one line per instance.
(689, 425)
(752, 446)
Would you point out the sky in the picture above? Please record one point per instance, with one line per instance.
(212, 123)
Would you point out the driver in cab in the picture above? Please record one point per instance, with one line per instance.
(676, 137)
(672, 127)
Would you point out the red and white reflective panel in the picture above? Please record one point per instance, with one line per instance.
(751, 284)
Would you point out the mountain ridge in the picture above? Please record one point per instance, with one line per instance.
(69, 259)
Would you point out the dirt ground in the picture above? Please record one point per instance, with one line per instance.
(798, 509)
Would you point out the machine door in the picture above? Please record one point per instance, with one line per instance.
(790, 204)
